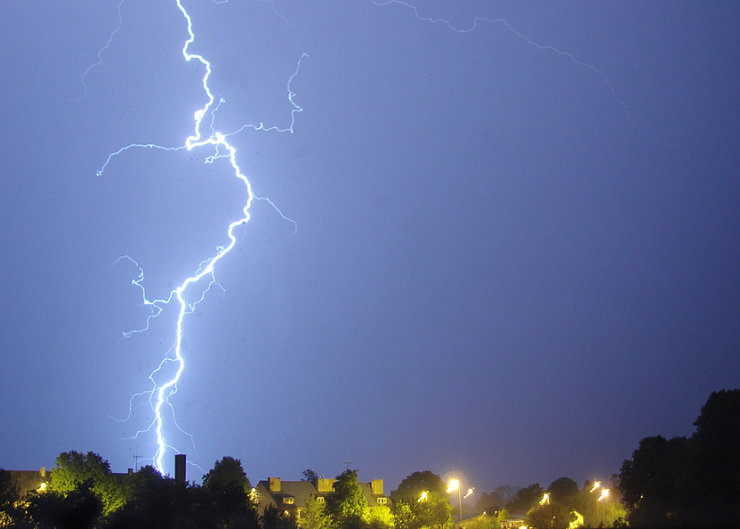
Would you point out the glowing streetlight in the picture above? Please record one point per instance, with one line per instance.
(596, 486)
(545, 499)
(424, 496)
(604, 494)
(453, 485)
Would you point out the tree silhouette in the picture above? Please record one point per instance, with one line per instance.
(563, 490)
(526, 498)
(73, 469)
(714, 466)
(693, 481)
(417, 482)
(227, 487)
(347, 503)
(275, 518)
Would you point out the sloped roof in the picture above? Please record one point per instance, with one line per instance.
(300, 491)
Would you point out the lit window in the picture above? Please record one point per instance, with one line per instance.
(320, 499)
(288, 500)
(382, 500)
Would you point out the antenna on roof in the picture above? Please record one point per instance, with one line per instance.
(348, 463)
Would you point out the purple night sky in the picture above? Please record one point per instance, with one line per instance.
(517, 248)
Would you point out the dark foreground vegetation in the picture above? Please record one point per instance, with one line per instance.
(667, 483)
(83, 493)
(688, 482)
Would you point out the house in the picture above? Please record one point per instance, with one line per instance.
(519, 520)
(514, 521)
(29, 480)
(291, 496)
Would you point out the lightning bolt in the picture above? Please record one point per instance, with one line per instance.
(101, 50)
(542, 47)
(161, 391)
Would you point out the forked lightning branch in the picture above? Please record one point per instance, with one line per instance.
(159, 394)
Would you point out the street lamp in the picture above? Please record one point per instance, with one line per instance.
(455, 485)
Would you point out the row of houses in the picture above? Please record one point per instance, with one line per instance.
(286, 495)
(292, 496)
(289, 496)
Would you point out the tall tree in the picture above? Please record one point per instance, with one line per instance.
(431, 511)
(599, 511)
(411, 510)
(380, 517)
(551, 516)
(714, 464)
(415, 483)
(435, 511)
(347, 504)
(8, 498)
(228, 489)
(74, 469)
(159, 502)
(526, 498)
(80, 508)
(315, 516)
(489, 503)
(563, 490)
(276, 518)
(693, 481)
(652, 479)
(8, 492)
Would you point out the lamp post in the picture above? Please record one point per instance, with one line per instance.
(455, 485)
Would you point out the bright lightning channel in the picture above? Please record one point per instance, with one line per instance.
(158, 396)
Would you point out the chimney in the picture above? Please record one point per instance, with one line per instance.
(274, 484)
(42, 472)
(180, 464)
(130, 471)
(325, 485)
(377, 486)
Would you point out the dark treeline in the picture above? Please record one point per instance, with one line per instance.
(83, 493)
(680, 482)
(688, 482)
(560, 506)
